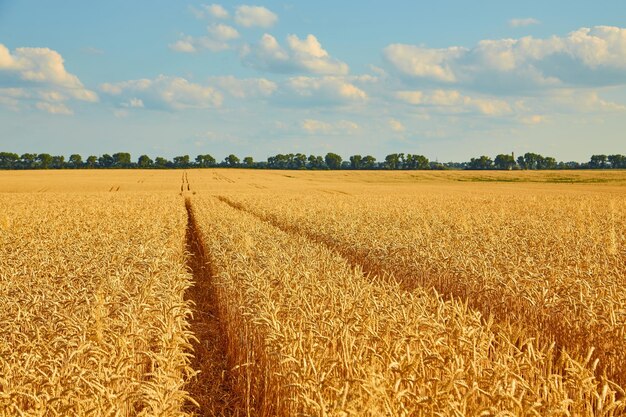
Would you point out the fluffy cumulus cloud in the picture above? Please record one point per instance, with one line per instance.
(216, 11)
(38, 76)
(255, 16)
(452, 101)
(300, 55)
(396, 125)
(522, 22)
(245, 88)
(416, 61)
(322, 91)
(218, 39)
(164, 93)
(342, 127)
(586, 57)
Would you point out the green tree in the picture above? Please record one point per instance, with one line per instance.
(161, 162)
(28, 160)
(205, 161)
(504, 161)
(58, 162)
(92, 161)
(333, 161)
(181, 161)
(416, 162)
(248, 161)
(369, 162)
(8, 160)
(617, 161)
(598, 161)
(105, 161)
(299, 161)
(121, 160)
(484, 162)
(231, 160)
(75, 161)
(144, 161)
(44, 160)
(355, 161)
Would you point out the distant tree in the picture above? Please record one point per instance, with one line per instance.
(121, 160)
(333, 161)
(369, 162)
(547, 162)
(316, 162)
(144, 161)
(28, 160)
(75, 161)
(392, 161)
(205, 161)
(105, 161)
(231, 160)
(434, 165)
(617, 161)
(416, 162)
(160, 162)
(8, 160)
(248, 162)
(355, 161)
(58, 162)
(504, 161)
(299, 161)
(484, 162)
(92, 161)
(181, 161)
(598, 161)
(44, 160)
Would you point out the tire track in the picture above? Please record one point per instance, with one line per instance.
(211, 388)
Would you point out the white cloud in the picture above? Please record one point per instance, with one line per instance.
(586, 57)
(217, 11)
(53, 108)
(324, 90)
(533, 119)
(255, 16)
(218, 40)
(41, 68)
(396, 125)
(163, 92)
(522, 22)
(452, 101)
(301, 55)
(417, 61)
(313, 126)
(245, 88)
(223, 32)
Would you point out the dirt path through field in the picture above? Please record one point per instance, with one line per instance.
(211, 388)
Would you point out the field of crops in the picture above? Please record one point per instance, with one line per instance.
(282, 293)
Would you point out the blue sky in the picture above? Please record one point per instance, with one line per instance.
(449, 79)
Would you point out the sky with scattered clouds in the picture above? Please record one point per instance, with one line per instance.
(450, 80)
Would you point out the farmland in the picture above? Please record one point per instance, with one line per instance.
(281, 293)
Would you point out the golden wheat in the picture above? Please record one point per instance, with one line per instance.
(553, 263)
(92, 316)
(310, 335)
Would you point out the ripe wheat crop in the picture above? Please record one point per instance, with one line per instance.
(92, 316)
(553, 264)
(310, 335)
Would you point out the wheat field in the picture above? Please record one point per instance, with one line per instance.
(282, 293)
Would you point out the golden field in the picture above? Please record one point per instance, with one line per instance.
(285, 293)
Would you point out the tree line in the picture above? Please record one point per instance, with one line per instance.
(333, 161)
